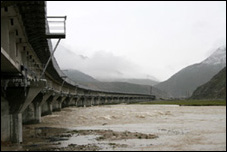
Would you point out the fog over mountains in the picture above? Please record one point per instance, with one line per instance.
(102, 65)
(135, 86)
(180, 85)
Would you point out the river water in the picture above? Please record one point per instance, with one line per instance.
(129, 127)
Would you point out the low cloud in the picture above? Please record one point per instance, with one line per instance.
(101, 65)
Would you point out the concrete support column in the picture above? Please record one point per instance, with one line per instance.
(18, 99)
(106, 100)
(88, 102)
(103, 100)
(45, 103)
(127, 99)
(92, 101)
(70, 103)
(16, 128)
(50, 107)
(98, 101)
(38, 111)
(84, 102)
(67, 102)
(112, 100)
(76, 101)
(130, 100)
(79, 102)
(35, 109)
(5, 120)
(60, 103)
(123, 100)
(55, 104)
(28, 114)
(118, 100)
(59, 106)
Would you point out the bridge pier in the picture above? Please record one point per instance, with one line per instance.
(128, 100)
(17, 98)
(88, 102)
(117, 100)
(54, 101)
(16, 134)
(84, 102)
(96, 101)
(28, 114)
(47, 107)
(80, 102)
(92, 101)
(5, 120)
(67, 102)
(77, 101)
(72, 101)
(106, 100)
(57, 105)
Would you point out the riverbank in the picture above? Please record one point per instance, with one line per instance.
(128, 127)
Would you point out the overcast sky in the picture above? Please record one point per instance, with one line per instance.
(138, 39)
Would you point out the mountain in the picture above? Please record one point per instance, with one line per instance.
(184, 82)
(125, 87)
(135, 81)
(78, 76)
(213, 89)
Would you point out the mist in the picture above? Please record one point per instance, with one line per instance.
(101, 65)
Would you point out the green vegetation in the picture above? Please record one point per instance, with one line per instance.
(213, 89)
(188, 102)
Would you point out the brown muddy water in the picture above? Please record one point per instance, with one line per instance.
(128, 127)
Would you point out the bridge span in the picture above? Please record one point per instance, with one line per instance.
(31, 88)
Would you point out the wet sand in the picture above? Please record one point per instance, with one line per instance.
(128, 127)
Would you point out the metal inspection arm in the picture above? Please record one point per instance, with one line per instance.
(52, 53)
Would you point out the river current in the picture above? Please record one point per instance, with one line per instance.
(129, 127)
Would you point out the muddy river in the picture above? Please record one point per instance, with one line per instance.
(128, 127)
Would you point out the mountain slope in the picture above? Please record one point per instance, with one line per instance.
(184, 82)
(78, 76)
(127, 88)
(135, 81)
(213, 89)
(90, 82)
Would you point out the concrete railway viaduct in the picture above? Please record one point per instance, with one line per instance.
(31, 88)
